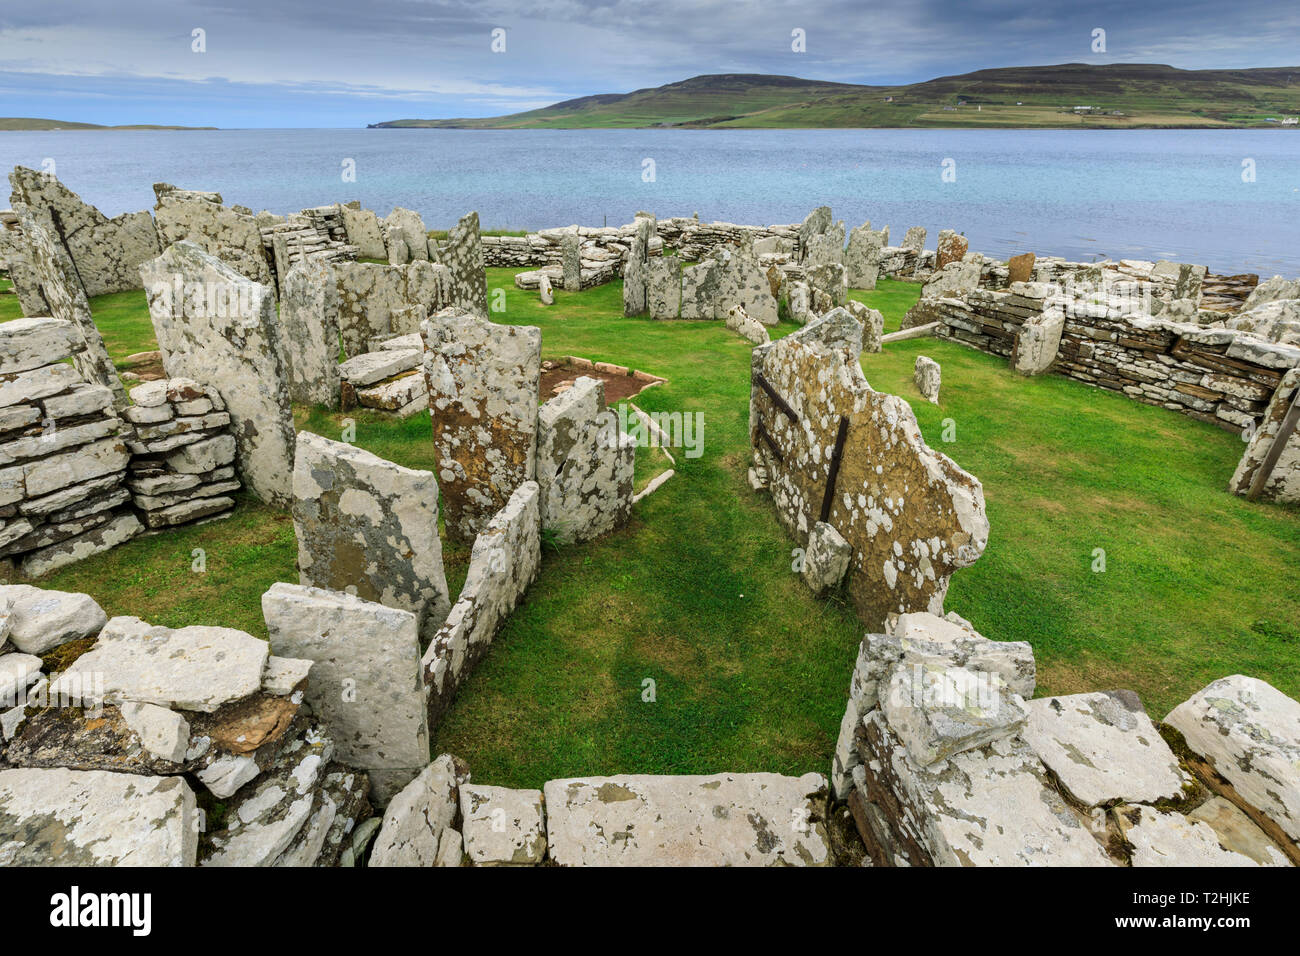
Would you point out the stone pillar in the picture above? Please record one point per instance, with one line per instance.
(484, 382)
(309, 326)
(463, 254)
(215, 326)
(635, 268)
(571, 258)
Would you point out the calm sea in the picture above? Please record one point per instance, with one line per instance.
(1229, 199)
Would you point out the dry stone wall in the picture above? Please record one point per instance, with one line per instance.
(63, 452)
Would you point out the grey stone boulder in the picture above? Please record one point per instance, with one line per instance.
(926, 375)
(419, 823)
(826, 559)
(41, 619)
(190, 668)
(1249, 732)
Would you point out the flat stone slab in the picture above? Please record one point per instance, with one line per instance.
(190, 668)
(30, 343)
(60, 817)
(40, 620)
(1104, 748)
(371, 367)
(1170, 839)
(740, 819)
(502, 827)
(1238, 832)
(1249, 731)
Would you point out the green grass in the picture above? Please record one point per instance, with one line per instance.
(697, 594)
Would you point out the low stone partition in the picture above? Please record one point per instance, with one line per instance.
(946, 761)
(182, 453)
(830, 449)
(63, 453)
(1215, 374)
(389, 379)
(502, 564)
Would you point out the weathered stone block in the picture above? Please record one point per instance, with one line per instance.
(502, 827)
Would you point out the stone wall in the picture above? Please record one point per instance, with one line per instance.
(1215, 374)
(231, 234)
(63, 453)
(374, 300)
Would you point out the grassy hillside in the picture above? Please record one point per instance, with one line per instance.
(9, 123)
(1123, 95)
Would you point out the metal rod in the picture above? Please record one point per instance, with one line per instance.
(781, 403)
(1284, 433)
(836, 455)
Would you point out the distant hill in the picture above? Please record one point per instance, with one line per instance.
(1069, 95)
(30, 122)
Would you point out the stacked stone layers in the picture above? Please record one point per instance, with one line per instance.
(1212, 374)
(182, 466)
(63, 452)
(104, 759)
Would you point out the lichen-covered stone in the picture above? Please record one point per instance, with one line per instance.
(367, 525)
(1249, 732)
(421, 819)
(1283, 483)
(728, 819)
(365, 680)
(236, 348)
(910, 514)
(1038, 341)
(57, 817)
(41, 619)
(483, 382)
(226, 233)
(502, 827)
(926, 375)
(309, 324)
(1164, 838)
(585, 464)
(502, 564)
(1103, 748)
(462, 253)
(826, 559)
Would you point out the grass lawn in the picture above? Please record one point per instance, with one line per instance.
(697, 594)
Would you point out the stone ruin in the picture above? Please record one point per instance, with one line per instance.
(832, 450)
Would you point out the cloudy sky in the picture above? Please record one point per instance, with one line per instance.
(334, 63)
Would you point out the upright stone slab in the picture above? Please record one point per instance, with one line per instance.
(873, 324)
(749, 288)
(105, 254)
(664, 287)
(951, 248)
(215, 326)
(229, 234)
(726, 819)
(368, 295)
(1283, 483)
(64, 293)
(463, 254)
(635, 268)
(405, 237)
(910, 514)
(1021, 268)
(701, 289)
(502, 565)
(370, 527)
(914, 240)
(862, 257)
(571, 261)
(57, 817)
(365, 682)
(926, 374)
(1038, 341)
(832, 279)
(363, 231)
(309, 323)
(483, 381)
(814, 224)
(584, 464)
